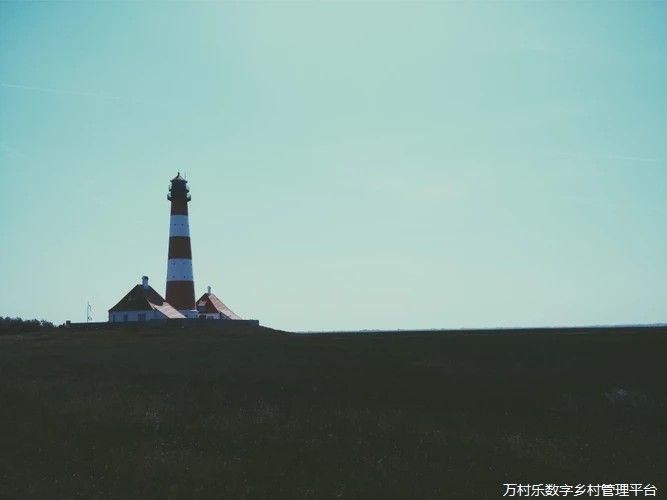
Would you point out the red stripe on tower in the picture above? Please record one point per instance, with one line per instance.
(180, 283)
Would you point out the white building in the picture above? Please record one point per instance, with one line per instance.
(210, 306)
(142, 303)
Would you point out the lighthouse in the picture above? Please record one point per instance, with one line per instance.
(143, 303)
(180, 282)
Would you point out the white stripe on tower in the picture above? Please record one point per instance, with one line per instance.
(180, 282)
(179, 226)
(179, 270)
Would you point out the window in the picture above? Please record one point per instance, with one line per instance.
(124, 317)
(142, 316)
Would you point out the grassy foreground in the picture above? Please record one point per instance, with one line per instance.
(253, 413)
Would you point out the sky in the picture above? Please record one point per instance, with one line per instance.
(352, 165)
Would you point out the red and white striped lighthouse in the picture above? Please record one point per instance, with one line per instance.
(180, 282)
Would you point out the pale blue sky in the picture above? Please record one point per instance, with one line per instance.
(352, 164)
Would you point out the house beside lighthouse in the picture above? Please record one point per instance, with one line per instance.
(143, 303)
(210, 306)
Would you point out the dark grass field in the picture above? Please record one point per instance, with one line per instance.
(253, 413)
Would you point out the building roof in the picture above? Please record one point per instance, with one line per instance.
(209, 303)
(145, 299)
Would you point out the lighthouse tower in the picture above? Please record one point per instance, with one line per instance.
(180, 283)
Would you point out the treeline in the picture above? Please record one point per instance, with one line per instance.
(18, 325)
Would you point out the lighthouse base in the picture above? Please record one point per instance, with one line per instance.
(189, 313)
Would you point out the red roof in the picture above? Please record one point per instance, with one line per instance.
(209, 303)
(145, 299)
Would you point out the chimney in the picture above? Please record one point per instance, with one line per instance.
(209, 290)
(144, 281)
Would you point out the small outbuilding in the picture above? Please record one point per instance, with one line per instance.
(142, 303)
(210, 306)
